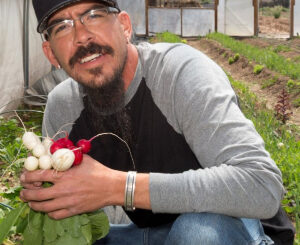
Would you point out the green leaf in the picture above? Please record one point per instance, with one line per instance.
(68, 239)
(289, 209)
(21, 225)
(60, 230)
(47, 184)
(12, 193)
(84, 219)
(10, 221)
(23, 220)
(100, 225)
(72, 225)
(49, 228)
(33, 233)
(75, 226)
(87, 233)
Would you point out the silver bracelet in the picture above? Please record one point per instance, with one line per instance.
(129, 191)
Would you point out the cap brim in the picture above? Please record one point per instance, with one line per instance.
(44, 20)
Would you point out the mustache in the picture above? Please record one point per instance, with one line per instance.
(91, 48)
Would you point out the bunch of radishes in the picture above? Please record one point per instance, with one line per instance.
(59, 155)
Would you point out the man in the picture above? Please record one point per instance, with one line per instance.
(196, 171)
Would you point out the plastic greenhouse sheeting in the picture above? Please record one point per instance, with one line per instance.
(161, 20)
(137, 11)
(297, 18)
(11, 55)
(197, 22)
(236, 17)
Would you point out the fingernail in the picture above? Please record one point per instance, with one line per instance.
(37, 184)
(22, 178)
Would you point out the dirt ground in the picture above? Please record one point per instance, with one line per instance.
(270, 25)
(242, 70)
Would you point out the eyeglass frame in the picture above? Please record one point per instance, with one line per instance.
(46, 35)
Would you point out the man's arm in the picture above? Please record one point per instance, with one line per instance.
(239, 177)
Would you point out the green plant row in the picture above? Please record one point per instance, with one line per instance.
(281, 142)
(167, 37)
(266, 57)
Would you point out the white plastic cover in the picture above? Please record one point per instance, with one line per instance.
(197, 22)
(297, 18)
(11, 53)
(137, 11)
(236, 17)
(161, 20)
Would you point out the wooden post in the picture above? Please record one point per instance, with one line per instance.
(216, 15)
(147, 17)
(292, 3)
(255, 5)
(181, 21)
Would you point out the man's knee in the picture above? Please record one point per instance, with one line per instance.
(207, 228)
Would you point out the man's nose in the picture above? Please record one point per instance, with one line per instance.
(82, 35)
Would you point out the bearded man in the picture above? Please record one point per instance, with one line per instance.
(197, 171)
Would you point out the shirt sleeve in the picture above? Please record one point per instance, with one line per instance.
(238, 178)
(64, 106)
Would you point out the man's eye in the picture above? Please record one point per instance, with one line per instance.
(96, 15)
(60, 28)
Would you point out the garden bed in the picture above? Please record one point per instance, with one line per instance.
(268, 84)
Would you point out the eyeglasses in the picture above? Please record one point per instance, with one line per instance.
(94, 17)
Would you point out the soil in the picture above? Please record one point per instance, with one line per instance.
(270, 25)
(242, 70)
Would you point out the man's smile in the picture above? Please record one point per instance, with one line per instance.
(90, 58)
(91, 53)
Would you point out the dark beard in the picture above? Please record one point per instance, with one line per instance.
(105, 107)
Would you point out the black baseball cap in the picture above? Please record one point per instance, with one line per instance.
(45, 8)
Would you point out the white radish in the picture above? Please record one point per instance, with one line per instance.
(39, 150)
(31, 163)
(45, 162)
(63, 159)
(47, 142)
(30, 140)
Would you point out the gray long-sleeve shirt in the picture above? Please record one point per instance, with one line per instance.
(237, 177)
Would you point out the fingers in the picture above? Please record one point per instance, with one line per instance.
(56, 209)
(53, 205)
(34, 186)
(38, 194)
(60, 214)
(37, 177)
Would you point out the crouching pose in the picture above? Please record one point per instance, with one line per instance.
(197, 171)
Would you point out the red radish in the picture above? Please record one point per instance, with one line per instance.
(61, 143)
(85, 145)
(65, 142)
(55, 146)
(78, 155)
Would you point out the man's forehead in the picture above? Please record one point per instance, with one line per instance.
(76, 8)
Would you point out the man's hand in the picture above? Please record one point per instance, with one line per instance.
(83, 188)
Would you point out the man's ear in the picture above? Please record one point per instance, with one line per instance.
(126, 24)
(49, 54)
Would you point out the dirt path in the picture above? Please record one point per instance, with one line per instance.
(242, 70)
